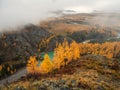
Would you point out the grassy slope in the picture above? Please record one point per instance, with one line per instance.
(89, 72)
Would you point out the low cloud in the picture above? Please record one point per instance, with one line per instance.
(19, 12)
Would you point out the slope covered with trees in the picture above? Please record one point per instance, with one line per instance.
(88, 67)
(66, 52)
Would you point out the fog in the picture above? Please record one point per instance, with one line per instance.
(19, 12)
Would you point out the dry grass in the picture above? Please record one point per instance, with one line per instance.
(88, 73)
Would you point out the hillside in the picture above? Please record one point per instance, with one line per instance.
(80, 59)
(31, 39)
(89, 72)
(17, 46)
(81, 27)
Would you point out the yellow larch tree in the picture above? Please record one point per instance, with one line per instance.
(46, 66)
(67, 52)
(58, 59)
(75, 50)
(32, 65)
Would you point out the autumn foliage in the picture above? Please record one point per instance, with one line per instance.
(46, 66)
(108, 49)
(66, 52)
(35, 67)
(32, 65)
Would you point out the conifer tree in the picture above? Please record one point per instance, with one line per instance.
(32, 65)
(46, 66)
(59, 56)
(75, 49)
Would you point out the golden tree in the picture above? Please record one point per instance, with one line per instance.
(58, 59)
(32, 65)
(67, 54)
(46, 66)
(64, 53)
(75, 50)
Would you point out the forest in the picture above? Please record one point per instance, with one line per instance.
(66, 52)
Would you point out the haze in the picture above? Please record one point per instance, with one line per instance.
(19, 12)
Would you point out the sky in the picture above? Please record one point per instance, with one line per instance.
(19, 12)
